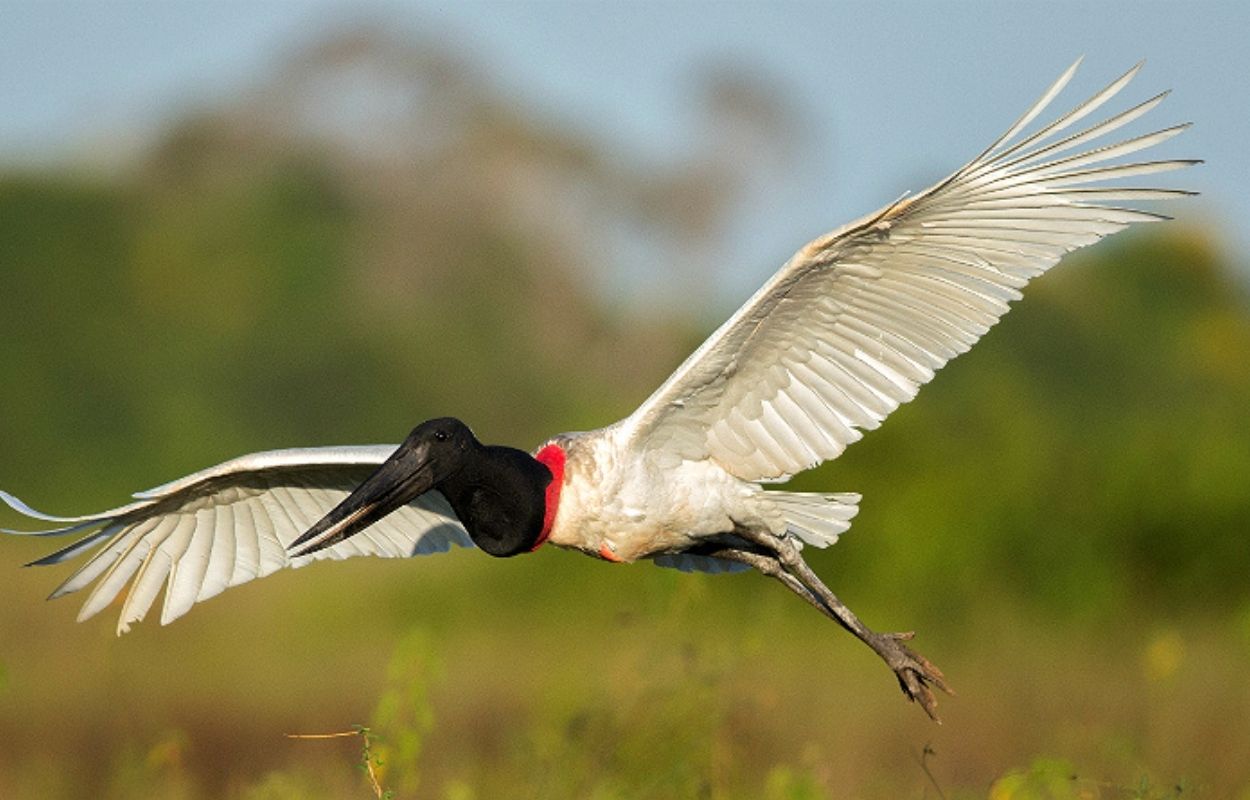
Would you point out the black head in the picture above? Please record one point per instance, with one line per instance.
(435, 451)
(444, 443)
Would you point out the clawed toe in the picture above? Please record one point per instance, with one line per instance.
(915, 673)
(779, 559)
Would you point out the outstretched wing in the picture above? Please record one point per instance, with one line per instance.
(859, 319)
(230, 524)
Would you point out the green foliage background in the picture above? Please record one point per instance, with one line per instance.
(1062, 515)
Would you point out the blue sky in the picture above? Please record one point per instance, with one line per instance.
(896, 94)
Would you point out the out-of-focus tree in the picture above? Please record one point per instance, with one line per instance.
(372, 236)
(376, 235)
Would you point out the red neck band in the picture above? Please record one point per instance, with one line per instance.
(552, 457)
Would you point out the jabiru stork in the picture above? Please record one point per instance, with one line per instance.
(850, 327)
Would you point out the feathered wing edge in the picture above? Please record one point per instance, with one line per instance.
(227, 525)
(892, 297)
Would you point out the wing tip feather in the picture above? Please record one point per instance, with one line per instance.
(17, 504)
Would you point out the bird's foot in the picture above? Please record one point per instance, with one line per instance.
(914, 672)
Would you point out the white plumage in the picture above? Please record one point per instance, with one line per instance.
(849, 328)
(232, 523)
(859, 319)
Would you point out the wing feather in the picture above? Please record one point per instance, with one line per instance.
(222, 553)
(859, 319)
(189, 568)
(247, 537)
(129, 565)
(230, 524)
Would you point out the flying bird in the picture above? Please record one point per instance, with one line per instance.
(849, 328)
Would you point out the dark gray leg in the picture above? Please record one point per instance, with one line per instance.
(770, 566)
(914, 672)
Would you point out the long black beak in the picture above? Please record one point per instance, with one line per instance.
(407, 474)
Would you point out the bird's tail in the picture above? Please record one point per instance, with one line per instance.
(817, 519)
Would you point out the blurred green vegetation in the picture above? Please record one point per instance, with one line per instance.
(1062, 514)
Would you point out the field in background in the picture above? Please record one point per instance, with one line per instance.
(1061, 516)
(550, 679)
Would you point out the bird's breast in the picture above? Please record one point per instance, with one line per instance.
(621, 505)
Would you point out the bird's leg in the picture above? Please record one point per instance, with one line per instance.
(914, 672)
(770, 566)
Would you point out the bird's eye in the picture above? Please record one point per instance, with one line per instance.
(442, 436)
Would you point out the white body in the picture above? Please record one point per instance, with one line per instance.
(623, 504)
